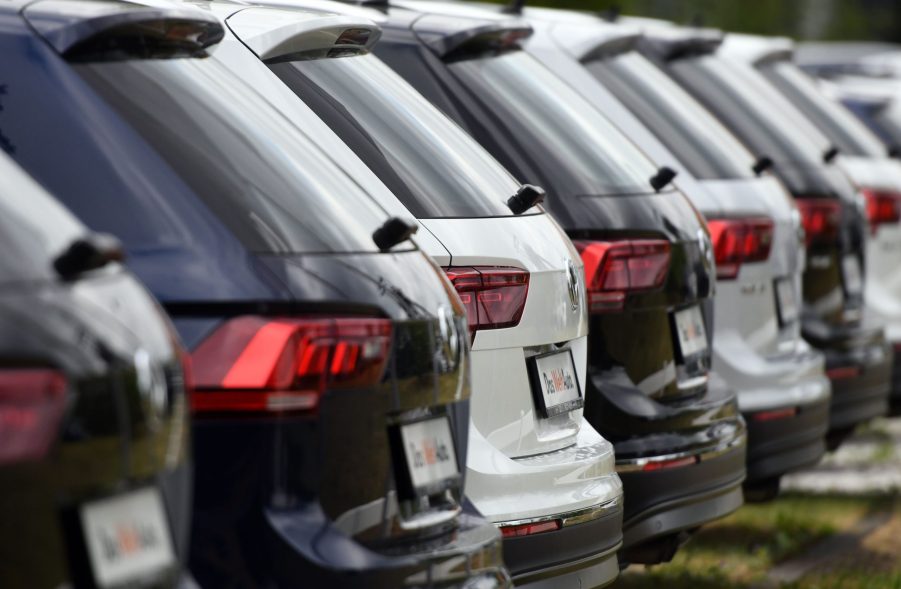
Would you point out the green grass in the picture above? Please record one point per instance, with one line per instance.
(736, 552)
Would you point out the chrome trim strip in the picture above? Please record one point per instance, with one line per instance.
(636, 464)
(570, 518)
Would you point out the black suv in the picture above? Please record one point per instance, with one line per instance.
(329, 354)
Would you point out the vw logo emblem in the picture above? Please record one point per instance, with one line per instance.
(151, 381)
(572, 277)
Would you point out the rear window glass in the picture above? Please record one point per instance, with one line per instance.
(761, 117)
(564, 133)
(703, 145)
(264, 178)
(432, 165)
(833, 119)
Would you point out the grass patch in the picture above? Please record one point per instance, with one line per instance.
(737, 551)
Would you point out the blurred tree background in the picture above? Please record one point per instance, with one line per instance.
(870, 20)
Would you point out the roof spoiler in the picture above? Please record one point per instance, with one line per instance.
(99, 30)
(467, 35)
(590, 50)
(275, 34)
(674, 43)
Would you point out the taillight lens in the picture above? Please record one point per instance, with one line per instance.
(520, 530)
(260, 364)
(739, 241)
(883, 207)
(615, 268)
(32, 402)
(821, 218)
(494, 297)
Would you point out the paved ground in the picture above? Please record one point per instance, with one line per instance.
(870, 462)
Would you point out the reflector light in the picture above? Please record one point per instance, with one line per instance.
(530, 529)
(843, 372)
(739, 241)
(776, 414)
(32, 403)
(258, 364)
(614, 269)
(883, 207)
(494, 297)
(821, 218)
(666, 464)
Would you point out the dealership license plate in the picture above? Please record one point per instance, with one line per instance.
(851, 274)
(128, 538)
(555, 380)
(786, 300)
(429, 449)
(690, 331)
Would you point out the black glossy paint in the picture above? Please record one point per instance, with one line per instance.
(268, 489)
(633, 396)
(104, 332)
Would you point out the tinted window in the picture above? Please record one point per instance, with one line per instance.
(443, 171)
(834, 120)
(703, 145)
(565, 134)
(755, 111)
(34, 229)
(264, 178)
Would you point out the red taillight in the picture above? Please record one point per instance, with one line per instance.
(821, 218)
(530, 529)
(32, 402)
(883, 207)
(260, 364)
(739, 241)
(615, 268)
(843, 372)
(494, 297)
(666, 464)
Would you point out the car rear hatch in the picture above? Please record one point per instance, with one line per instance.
(387, 325)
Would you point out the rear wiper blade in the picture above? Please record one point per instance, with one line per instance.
(525, 198)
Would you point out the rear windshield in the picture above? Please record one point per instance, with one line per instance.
(432, 165)
(563, 132)
(34, 228)
(833, 119)
(703, 145)
(761, 117)
(264, 178)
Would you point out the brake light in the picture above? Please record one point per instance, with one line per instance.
(32, 402)
(494, 297)
(520, 530)
(614, 269)
(739, 241)
(883, 207)
(821, 218)
(260, 364)
(775, 414)
(843, 372)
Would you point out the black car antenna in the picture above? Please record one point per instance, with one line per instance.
(611, 13)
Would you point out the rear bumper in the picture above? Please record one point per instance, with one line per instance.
(864, 395)
(575, 556)
(329, 558)
(779, 446)
(669, 500)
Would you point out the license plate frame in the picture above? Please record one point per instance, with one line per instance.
(852, 275)
(690, 332)
(540, 381)
(112, 532)
(787, 308)
(416, 456)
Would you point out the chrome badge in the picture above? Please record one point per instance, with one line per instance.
(572, 277)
